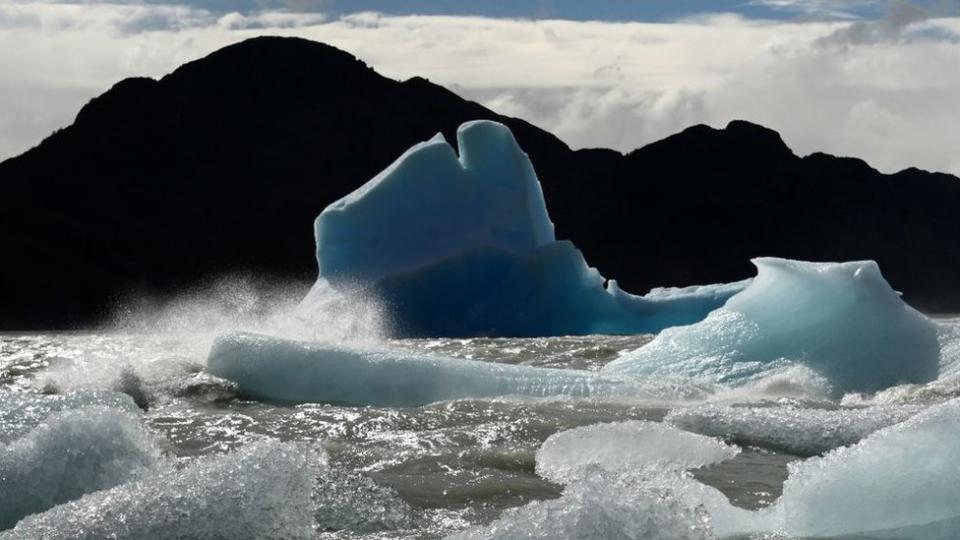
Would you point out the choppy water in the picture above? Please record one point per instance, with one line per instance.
(454, 464)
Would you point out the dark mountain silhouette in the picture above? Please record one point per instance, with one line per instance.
(222, 166)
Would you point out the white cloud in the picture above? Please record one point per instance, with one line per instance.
(894, 102)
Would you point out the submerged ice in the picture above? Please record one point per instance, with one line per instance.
(464, 246)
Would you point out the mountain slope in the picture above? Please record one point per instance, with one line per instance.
(222, 165)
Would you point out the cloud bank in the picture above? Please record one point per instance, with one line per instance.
(887, 91)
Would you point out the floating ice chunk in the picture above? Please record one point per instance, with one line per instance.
(903, 476)
(70, 454)
(602, 505)
(292, 371)
(650, 458)
(799, 430)
(902, 481)
(626, 480)
(464, 246)
(262, 491)
(625, 446)
(842, 320)
(21, 412)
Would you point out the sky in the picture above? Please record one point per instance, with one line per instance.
(878, 80)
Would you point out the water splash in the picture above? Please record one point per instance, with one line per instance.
(154, 349)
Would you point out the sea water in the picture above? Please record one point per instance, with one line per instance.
(442, 469)
(449, 465)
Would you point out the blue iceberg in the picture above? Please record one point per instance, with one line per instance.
(456, 246)
(841, 320)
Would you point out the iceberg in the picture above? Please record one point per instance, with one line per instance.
(463, 245)
(838, 324)
(841, 320)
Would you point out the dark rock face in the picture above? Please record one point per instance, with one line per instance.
(222, 166)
